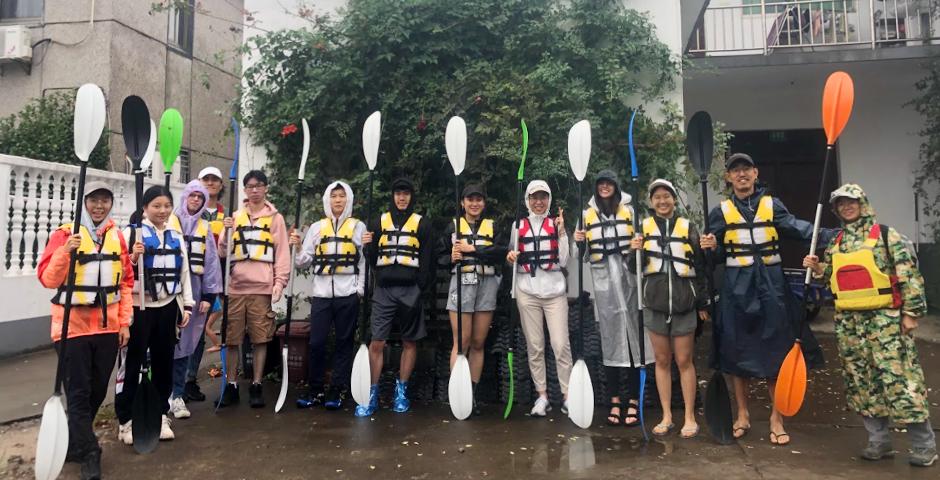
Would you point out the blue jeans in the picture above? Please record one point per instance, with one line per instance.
(180, 367)
(195, 360)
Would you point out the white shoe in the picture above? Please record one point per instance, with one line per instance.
(178, 408)
(126, 433)
(540, 408)
(564, 408)
(165, 432)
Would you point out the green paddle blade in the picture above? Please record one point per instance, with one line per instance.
(512, 383)
(171, 137)
(525, 149)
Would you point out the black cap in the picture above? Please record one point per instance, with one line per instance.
(738, 158)
(607, 175)
(473, 189)
(402, 183)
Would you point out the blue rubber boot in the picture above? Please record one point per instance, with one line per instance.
(401, 404)
(368, 410)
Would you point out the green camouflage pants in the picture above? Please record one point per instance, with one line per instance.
(883, 377)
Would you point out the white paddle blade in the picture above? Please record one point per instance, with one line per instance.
(579, 148)
(460, 389)
(90, 116)
(303, 156)
(361, 379)
(580, 396)
(371, 134)
(455, 142)
(151, 148)
(282, 395)
(53, 441)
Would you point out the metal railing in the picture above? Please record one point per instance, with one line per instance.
(736, 27)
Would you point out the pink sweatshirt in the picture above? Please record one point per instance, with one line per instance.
(251, 277)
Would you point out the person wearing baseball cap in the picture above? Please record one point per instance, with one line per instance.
(481, 253)
(101, 309)
(541, 290)
(756, 311)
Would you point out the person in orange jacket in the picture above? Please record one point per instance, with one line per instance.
(100, 315)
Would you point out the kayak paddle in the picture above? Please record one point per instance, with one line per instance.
(512, 292)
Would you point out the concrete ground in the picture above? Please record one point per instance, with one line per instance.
(428, 443)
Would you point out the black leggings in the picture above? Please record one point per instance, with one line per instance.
(87, 366)
(615, 382)
(153, 328)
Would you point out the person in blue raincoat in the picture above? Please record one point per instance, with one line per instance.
(758, 316)
(205, 273)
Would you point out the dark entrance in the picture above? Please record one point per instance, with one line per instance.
(790, 164)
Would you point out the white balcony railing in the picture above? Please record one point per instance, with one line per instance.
(737, 27)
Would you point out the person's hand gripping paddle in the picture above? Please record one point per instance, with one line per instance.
(635, 175)
(232, 176)
(171, 140)
(460, 387)
(700, 145)
(53, 440)
(361, 377)
(580, 388)
(512, 292)
(282, 395)
(838, 97)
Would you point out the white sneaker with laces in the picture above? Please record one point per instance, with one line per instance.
(540, 408)
(178, 408)
(126, 433)
(165, 432)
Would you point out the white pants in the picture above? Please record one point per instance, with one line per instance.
(555, 312)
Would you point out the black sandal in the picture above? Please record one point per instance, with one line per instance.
(615, 420)
(635, 406)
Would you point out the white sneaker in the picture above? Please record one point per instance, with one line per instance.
(165, 432)
(564, 408)
(540, 408)
(126, 433)
(178, 408)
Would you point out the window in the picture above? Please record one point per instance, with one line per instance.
(180, 33)
(184, 161)
(13, 10)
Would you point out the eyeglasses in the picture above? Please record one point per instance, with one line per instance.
(255, 186)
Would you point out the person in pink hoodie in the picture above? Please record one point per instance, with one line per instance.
(260, 270)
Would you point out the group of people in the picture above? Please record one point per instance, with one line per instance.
(183, 246)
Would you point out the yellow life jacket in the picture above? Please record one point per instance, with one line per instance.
(743, 240)
(857, 283)
(195, 243)
(599, 245)
(216, 222)
(399, 246)
(679, 252)
(483, 237)
(336, 253)
(97, 272)
(252, 242)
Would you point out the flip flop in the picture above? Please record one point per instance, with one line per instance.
(775, 438)
(743, 431)
(663, 429)
(688, 432)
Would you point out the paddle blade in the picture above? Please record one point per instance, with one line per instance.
(90, 116)
(148, 156)
(581, 454)
(455, 142)
(718, 409)
(512, 386)
(135, 122)
(791, 383)
(581, 395)
(306, 150)
(233, 172)
(460, 389)
(282, 395)
(361, 379)
(838, 97)
(525, 150)
(579, 148)
(642, 401)
(700, 142)
(53, 441)
(634, 172)
(171, 137)
(146, 414)
(371, 135)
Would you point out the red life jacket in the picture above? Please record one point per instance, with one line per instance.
(538, 249)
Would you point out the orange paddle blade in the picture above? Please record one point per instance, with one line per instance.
(838, 97)
(791, 383)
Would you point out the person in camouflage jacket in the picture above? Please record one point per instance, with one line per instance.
(883, 377)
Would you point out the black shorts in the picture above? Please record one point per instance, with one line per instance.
(401, 305)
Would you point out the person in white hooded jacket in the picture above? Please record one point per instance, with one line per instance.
(333, 246)
(539, 249)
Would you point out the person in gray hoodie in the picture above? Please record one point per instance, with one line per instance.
(333, 246)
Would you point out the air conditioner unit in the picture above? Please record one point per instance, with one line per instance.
(15, 44)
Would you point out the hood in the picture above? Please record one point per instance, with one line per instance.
(867, 218)
(610, 176)
(96, 230)
(625, 199)
(328, 212)
(538, 186)
(187, 220)
(401, 183)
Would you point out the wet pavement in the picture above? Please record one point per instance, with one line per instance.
(428, 443)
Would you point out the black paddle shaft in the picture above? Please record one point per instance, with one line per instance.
(580, 330)
(458, 270)
(365, 288)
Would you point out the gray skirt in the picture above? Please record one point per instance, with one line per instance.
(478, 297)
(679, 325)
